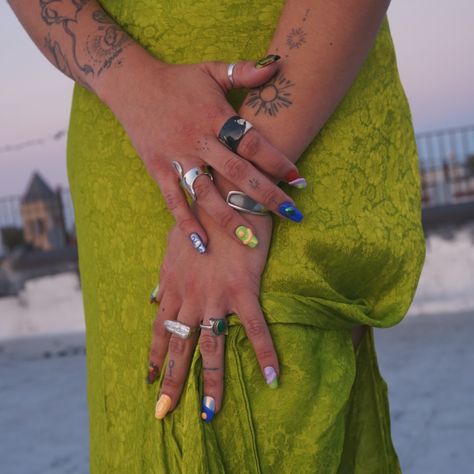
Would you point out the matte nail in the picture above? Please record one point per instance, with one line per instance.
(246, 236)
(287, 209)
(162, 406)
(295, 180)
(208, 408)
(153, 373)
(197, 242)
(266, 61)
(153, 294)
(271, 376)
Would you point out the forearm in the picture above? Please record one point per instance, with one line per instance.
(78, 37)
(323, 44)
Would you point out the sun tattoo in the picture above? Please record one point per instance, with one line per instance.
(272, 96)
(296, 38)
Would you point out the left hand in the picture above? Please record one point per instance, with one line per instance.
(194, 288)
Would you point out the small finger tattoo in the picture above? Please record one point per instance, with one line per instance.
(170, 367)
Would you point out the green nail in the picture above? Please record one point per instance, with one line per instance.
(246, 236)
(266, 61)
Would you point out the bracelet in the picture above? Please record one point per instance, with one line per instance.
(240, 201)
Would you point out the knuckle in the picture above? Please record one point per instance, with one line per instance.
(210, 382)
(226, 219)
(171, 385)
(271, 196)
(265, 354)
(202, 188)
(250, 145)
(235, 168)
(172, 200)
(208, 344)
(185, 224)
(177, 346)
(254, 327)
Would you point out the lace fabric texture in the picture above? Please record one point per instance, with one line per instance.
(355, 259)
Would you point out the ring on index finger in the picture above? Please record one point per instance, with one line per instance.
(233, 131)
(187, 179)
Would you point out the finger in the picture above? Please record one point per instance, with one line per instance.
(253, 320)
(177, 204)
(230, 220)
(212, 352)
(168, 309)
(252, 182)
(180, 352)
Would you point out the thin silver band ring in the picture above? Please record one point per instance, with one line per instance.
(230, 73)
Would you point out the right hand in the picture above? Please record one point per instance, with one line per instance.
(175, 112)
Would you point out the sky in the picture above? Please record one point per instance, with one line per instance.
(434, 40)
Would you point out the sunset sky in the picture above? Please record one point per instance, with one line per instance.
(434, 41)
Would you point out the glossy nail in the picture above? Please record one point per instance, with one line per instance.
(246, 236)
(197, 242)
(266, 61)
(162, 406)
(271, 376)
(153, 294)
(295, 180)
(153, 373)
(208, 408)
(287, 209)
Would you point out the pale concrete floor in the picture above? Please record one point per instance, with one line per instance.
(427, 361)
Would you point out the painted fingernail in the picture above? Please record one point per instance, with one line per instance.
(208, 408)
(197, 242)
(246, 236)
(162, 406)
(287, 209)
(266, 61)
(153, 373)
(271, 376)
(295, 180)
(153, 294)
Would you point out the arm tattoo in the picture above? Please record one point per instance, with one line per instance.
(272, 96)
(296, 38)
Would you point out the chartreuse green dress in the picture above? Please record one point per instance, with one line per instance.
(355, 259)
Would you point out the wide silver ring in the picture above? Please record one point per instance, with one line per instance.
(230, 73)
(241, 202)
(218, 326)
(179, 329)
(233, 131)
(187, 179)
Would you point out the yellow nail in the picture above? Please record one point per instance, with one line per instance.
(162, 406)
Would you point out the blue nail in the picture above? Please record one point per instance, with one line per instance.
(208, 408)
(287, 209)
(197, 242)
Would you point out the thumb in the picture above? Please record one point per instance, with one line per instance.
(245, 73)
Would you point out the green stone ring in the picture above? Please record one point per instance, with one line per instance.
(217, 326)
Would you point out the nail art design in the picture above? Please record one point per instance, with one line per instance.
(266, 61)
(295, 180)
(197, 242)
(271, 376)
(153, 373)
(246, 236)
(153, 294)
(208, 408)
(162, 406)
(287, 209)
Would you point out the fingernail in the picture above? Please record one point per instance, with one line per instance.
(153, 373)
(153, 294)
(295, 180)
(246, 236)
(271, 376)
(197, 242)
(266, 61)
(289, 210)
(208, 408)
(162, 406)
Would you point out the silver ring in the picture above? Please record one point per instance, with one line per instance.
(230, 73)
(179, 329)
(233, 131)
(187, 179)
(240, 201)
(217, 326)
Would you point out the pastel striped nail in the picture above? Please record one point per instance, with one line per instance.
(153, 294)
(197, 242)
(289, 210)
(208, 408)
(266, 61)
(271, 376)
(153, 373)
(295, 180)
(246, 236)
(162, 406)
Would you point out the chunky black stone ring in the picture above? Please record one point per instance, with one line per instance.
(232, 132)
